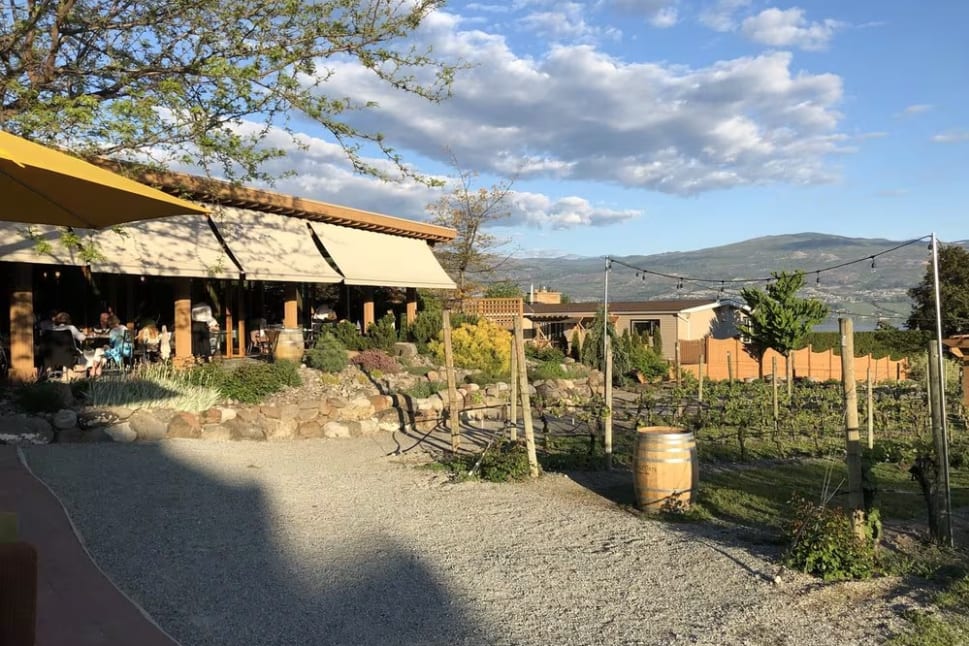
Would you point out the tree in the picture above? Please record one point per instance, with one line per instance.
(778, 319)
(470, 257)
(503, 289)
(175, 81)
(953, 293)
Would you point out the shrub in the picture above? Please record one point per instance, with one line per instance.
(160, 386)
(503, 461)
(575, 346)
(328, 355)
(349, 336)
(383, 333)
(43, 397)
(426, 327)
(483, 346)
(823, 544)
(424, 389)
(376, 360)
(548, 370)
(253, 382)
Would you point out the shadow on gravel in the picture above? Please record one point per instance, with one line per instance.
(210, 562)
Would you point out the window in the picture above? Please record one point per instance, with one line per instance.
(646, 327)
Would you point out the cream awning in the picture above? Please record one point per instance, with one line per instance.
(273, 247)
(371, 258)
(180, 245)
(38, 244)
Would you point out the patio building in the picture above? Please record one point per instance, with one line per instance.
(251, 240)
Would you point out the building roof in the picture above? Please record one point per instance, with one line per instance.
(208, 190)
(622, 307)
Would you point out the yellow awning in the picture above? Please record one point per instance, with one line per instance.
(181, 245)
(41, 185)
(380, 259)
(273, 247)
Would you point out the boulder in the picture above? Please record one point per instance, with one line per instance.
(280, 429)
(121, 432)
(363, 427)
(336, 430)
(309, 430)
(22, 428)
(288, 411)
(240, 429)
(147, 426)
(64, 419)
(405, 350)
(185, 425)
(211, 416)
(381, 402)
(215, 433)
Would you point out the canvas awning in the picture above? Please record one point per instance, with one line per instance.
(36, 243)
(273, 247)
(371, 258)
(180, 245)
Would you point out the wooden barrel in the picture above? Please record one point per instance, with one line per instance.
(289, 345)
(664, 468)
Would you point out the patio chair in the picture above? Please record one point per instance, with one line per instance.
(259, 342)
(120, 356)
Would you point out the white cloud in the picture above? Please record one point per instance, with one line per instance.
(661, 14)
(537, 210)
(917, 108)
(789, 28)
(721, 16)
(951, 136)
(664, 18)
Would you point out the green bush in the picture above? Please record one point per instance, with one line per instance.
(548, 370)
(347, 334)
(253, 382)
(328, 355)
(823, 544)
(423, 389)
(575, 346)
(547, 353)
(484, 346)
(425, 327)
(383, 334)
(503, 461)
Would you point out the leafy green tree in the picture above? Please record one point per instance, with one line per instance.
(503, 289)
(953, 292)
(177, 80)
(778, 319)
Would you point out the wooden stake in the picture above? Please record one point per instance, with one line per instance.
(941, 475)
(676, 359)
(774, 385)
(871, 413)
(607, 419)
(729, 368)
(856, 500)
(699, 394)
(452, 390)
(513, 434)
(526, 401)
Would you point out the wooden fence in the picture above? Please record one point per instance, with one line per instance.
(502, 311)
(723, 358)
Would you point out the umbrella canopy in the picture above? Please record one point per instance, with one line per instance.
(40, 185)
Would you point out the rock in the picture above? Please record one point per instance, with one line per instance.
(69, 436)
(336, 430)
(120, 412)
(121, 432)
(280, 429)
(389, 427)
(147, 426)
(64, 419)
(433, 375)
(93, 417)
(215, 433)
(289, 411)
(307, 414)
(307, 430)
(164, 415)
(272, 412)
(405, 350)
(211, 416)
(25, 429)
(184, 425)
(363, 427)
(381, 402)
(96, 434)
(240, 429)
(228, 413)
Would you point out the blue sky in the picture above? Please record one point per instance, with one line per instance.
(645, 126)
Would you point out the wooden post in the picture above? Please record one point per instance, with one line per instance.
(452, 389)
(607, 419)
(513, 434)
(699, 394)
(229, 308)
(526, 400)
(871, 413)
(856, 501)
(291, 307)
(676, 359)
(183, 323)
(368, 311)
(729, 368)
(789, 364)
(774, 384)
(241, 319)
(411, 305)
(941, 476)
(22, 323)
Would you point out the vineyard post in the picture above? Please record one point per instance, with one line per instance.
(941, 499)
(789, 365)
(513, 433)
(676, 359)
(452, 390)
(699, 394)
(871, 413)
(607, 414)
(526, 402)
(856, 501)
(774, 382)
(729, 368)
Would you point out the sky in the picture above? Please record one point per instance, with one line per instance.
(647, 126)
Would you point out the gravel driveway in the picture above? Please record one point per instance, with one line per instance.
(334, 542)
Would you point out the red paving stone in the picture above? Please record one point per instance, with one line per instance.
(76, 604)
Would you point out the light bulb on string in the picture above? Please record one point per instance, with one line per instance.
(873, 263)
(679, 284)
(817, 279)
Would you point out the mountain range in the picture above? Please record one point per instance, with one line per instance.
(866, 278)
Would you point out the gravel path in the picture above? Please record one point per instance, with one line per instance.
(332, 542)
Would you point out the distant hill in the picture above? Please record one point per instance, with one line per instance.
(857, 289)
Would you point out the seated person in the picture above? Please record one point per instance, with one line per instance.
(62, 321)
(150, 338)
(103, 323)
(119, 348)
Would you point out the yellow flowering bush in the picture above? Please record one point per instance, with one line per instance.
(483, 346)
